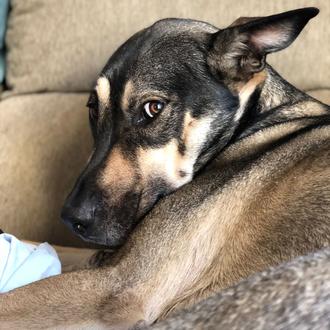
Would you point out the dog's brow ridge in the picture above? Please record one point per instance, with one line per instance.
(103, 91)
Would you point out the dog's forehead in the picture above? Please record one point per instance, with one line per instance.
(149, 41)
(146, 60)
(177, 25)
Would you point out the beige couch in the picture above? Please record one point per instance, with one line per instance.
(55, 49)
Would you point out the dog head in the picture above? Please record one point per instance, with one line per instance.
(167, 101)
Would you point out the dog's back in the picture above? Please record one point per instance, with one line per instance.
(294, 295)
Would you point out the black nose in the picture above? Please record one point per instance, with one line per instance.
(80, 208)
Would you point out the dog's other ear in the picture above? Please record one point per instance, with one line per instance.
(239, 51)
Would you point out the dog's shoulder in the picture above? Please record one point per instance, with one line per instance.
(276, 184)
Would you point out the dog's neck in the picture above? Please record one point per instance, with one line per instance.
(269, 105)
(277, 92)
(273, 102)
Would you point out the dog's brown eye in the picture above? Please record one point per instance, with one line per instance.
(152, 108)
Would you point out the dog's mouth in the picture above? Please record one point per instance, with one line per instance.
(98, 240)
(82, 232)
(104, 237)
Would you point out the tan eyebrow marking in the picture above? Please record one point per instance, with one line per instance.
(103, 91)
(128, 89)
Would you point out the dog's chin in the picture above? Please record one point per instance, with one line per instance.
(108, 239)
(95, 239)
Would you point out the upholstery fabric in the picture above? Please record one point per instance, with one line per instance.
(60, 45)
(45, 142)
(321, 94)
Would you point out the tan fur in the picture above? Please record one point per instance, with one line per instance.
(235, 228)
(103, 92)
(127, 94)
(167, 162)
(245, 214)
(160, 162)
(246, 90)
(118, 173)
(308, 108)
(260, 141)
(194, 135)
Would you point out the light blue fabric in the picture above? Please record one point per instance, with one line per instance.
(3, 19)
(22, 263)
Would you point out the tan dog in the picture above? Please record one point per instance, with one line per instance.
(183, 102)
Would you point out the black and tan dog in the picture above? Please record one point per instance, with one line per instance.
(184, 102)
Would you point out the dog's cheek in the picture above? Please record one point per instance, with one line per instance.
(194, 136)
(174, 162)
(164, 163)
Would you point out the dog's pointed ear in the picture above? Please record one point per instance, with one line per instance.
(243, 20)
(239, 51)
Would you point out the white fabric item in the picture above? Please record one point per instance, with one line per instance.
(22, 263)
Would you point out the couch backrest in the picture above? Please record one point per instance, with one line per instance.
(61, 45)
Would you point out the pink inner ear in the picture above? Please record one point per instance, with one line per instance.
(270, 37)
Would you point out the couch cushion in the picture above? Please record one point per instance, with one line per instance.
(321, 94)
(44, 142)
(60, 45)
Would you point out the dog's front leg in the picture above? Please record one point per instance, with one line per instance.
(74, 300)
